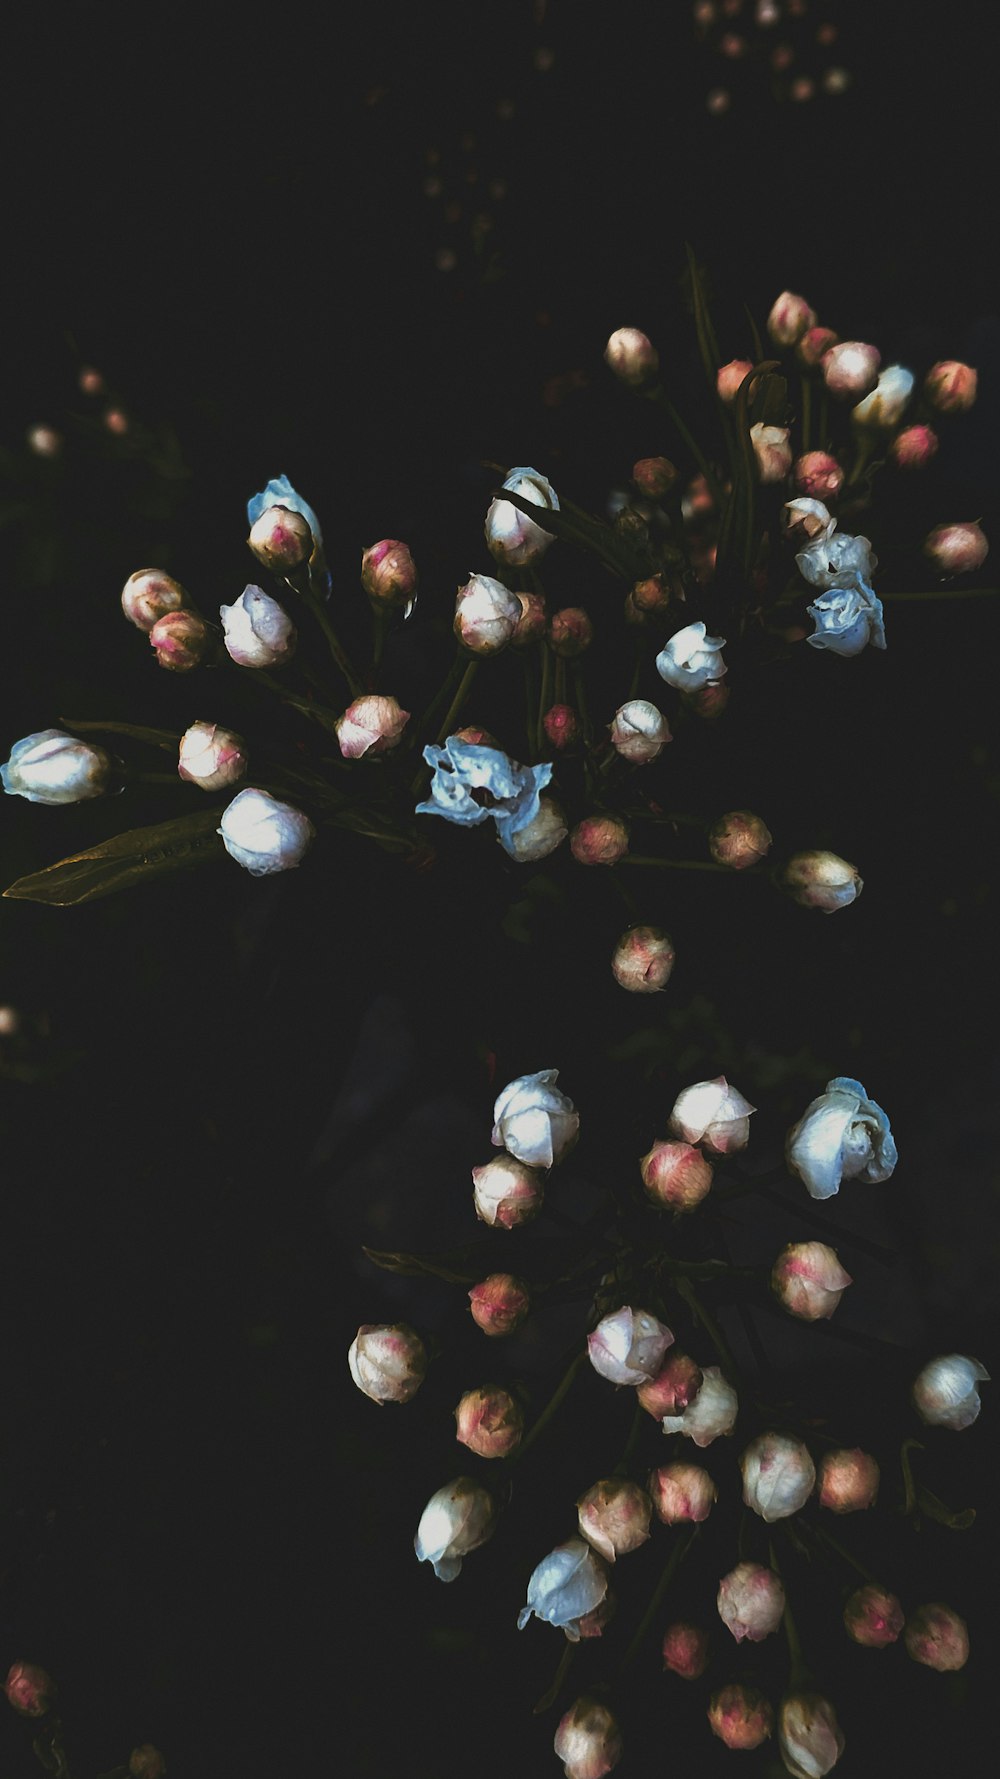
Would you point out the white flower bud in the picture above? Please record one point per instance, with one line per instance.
(588, 1740)
(945, 1391)
(631, 356)
(809, 1736)
(614, 1517)
(263, 834)
(149, 594)
(371, 725)
(486, 615)
(627, 1347)
(566, 1585)
(850, 369)
(821, 880)
(506, 1192)
(806, 520)
(713, 1113)
(387, 1361)
(809, 1280)
(643, 960)
(257, 630)
(751, 1601)
(711, 1414)
(957, 549)
(789, 318)
(842, 1135)
(772, 450)
(52, 767)
(513, 539)
(211, 757)
(883, 408)
(691, 659)
(546, 830)
(534, 1121)
(778, 1476)
(457, 1519)
(639, 732)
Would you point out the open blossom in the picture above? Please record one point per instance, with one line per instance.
(512, 538)
(778, 1475)
(711, 1414)
(627, 1346)
(739, 839)
(486, 615)
(691, 659)
(847, 619)
(676, 1175)
(772, 450)
(457, 1519)
(873, 1617)
(388, 573)
(257, 630)
(821, 880)
(149, 594)
(883, 408)
(264, 835)
(685, 1650)
(506, 1192)
(631, 356)
(809, 1280)
(848, 1481)
(490, 1422)
(740, 1716)
(546, 830)
(499, 1303)
(837, 559)
(936, 1637)
(473, 784)
(809, 1736)
(281, 539)
(566, 1585)
(371, 725)
(643, 960)
(388, 1361)
(789, 319)
(588, 1740)
(951, 386)
(817, 475)
(639, 732)
(850, 369)
(614, 1517)
(842, 1135)
(211, 757)
(682, 1492)
(675, 1385)
(956, 549)
(945, 1391)
(599, 840)
(53, 767)
(751, 1601)
(535, 1121)
(713, 1113)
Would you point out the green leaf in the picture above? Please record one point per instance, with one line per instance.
(417, 1266)
(156, 737)
(581, 529)
(936, 1509)
(125, 860)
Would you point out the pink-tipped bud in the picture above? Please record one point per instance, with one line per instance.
(477, 737)
(789, 319)
(627, 1346)
(709, 701)
(486, 615)
(956, 549)
(532, 622)
(650, 595)
(643, 960)
(388, 1361)
(499, 1304)
(772, 450)
(614, 1517)
(685, 1650)
(751, 1601)
(913, 447)
(809, 1280)
(593, 1622)
(818, 475)
(371, 725)
(639, 732)
(570, 632)
(561, 725)
(674, 1387)
(848, 1481)
(507, 1192)
(815, 343)
(654, 476)
(950, 386)
(588, 1740)
(281, 539)
(676, 1175)
(850, 370)
(388, 573)
(821, 880)
(182, 640)
(740, 1716)
(150, 594)
(729, 378)
(146, 1762)
(211, 757)
(682, 1492)
(29, 1689)
(936, 1637)
(599, 840)
(873, 1617)
(632, 357)
(489, 1421)
(739, 839)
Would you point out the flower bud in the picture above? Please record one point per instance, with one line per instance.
(729, 378)
(809, 1736)
(182, 641)
(371, 725)
(883, 408)
(848, 1481)
(532, 622)
(913, 447)
(814, 345)
(956, 549)
(713, 1113)
(614, 1516)
(29, 1689)
(561, 725)
(936, 1637)
(211, 757)
(627, 1346)
(150, 594)
(146, 1762)
(52, 767)
(546, 830)
(809, 1280)
(257, 630)
(691, 659)
(772, 450)
(632, 357)
(842, 1135)
(570, 632)
(712, 1412)
(499, 1303)
(588, 1740)
(738, 839)
(513, 539)
(506, 1192)
(388, 574)
(778, 1476)
(473, 736)
(685, 1650)
(945, 1391)
(751, 1601)
(44, 441)
(807, 525)
(850, 370)
(708, 701)
(650, 595)
(639, 732)
(388, 1361)
(682, 1492)
(599, 840)
(821, 880)
(873, 1617)
(818, 475)
(490, 1422)
(534, 1121)
(676, 1175)
(675, 1385)
(654, 476)
(740, 1716)
(643, 960)
(457, 1519)
(567, 1584)
(789, 319)
(951, 386)
(486, 615)
(281, 539)
(264, 835)
(592, 1623)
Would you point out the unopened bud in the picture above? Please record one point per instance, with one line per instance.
(729, 379)
(532, 622)
(627, 1346)
(499, 1303)
(387, 1361)
(739, 839)
(883, 408)
(676, 1175)
(473, 736)
(632, 357)
(507, 1192)
(614, 1517)
(29, 1689)
(643, 960)
(281, 539)
(513, 539)
(951, 386)
(561, 725)
(809, 1280)
(489, 1421)
(570, 632)
(789, 319)
(458, 1518)
(150, 594)
(265, 835)
(956, 549)
(772, 450)
(850, 370)
(588, 1740)
(814, 344)
(751, 1601)
(682, 1492)
(650, 595)
(146, 1762)
(873, 1617)
(546, 830)
(709, 701)
(654, 476)
(848, 1481)
(388, 574)
(258, 631)
(698, 499)
(913, 447)
(44, 441)
(674, 1387)
(371, 725)
(821, 880)
(52, 767)
(712, 1412)
(740, 1716)
(937, 1637)
(818, 475)
(486, 615)
(685, 1650)
(599, 840)
(211, 757)
(182, 641)
(713, 1113)
(592, 1623)
(778, 1476)
(639, 732)
(809, 1736)
(946, 1392)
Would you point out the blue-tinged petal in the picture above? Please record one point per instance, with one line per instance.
(280, 493)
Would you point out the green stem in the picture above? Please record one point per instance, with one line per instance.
(549, 1698)
(635, 858)
(805, 387)
(638, 1416)
(692, 445)
(909, 1487)
(580, 695)
(945, 593)
(545, 693)
(457, 702)
(314, 602)
(682, 1545)
(799, 1672)
(828, 1538)
(555, 1401)
(686, 1290)
(320, 713)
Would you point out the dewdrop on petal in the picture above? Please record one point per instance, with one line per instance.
(643, 960)
(778, 1476)
(713, 1113)
(740, 1716)
(211, 757)
(150, 594)
(588, 1740)
(632, 357)
(387, 1361)
(265, 835)
(458, 1518)
(946, 1392)
(506, 1192)
(685, 1650)
(627, 1346)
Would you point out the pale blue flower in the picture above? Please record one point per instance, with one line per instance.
(566, 1585)
(280, 493)
(842, 1135)
(508, 793)
(847, 614)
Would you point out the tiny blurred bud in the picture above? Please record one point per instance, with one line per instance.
(387, 1361)
(52, 767)
(532, 622)
(643, 960)
(676, 1175)
(44, 441)
(561, 725)
(29, 1689)
(848, 1481)
(850, 369)
(150, 594)
(814, 344)
(654, 476)
(873, 1617)
(632, 357)
(685, 1650)
(675, 1385)
(371, 725)
(946, 1392)
(388, 574)
(257, 630)
(281, 539)
(751, 1601)
(570, 632)
(772, 450)
(588, 1740)
(821, 880)
(950, 386)
(739, 839)
(211, 757)
(263, 834)
(639, 731)
(818, 475)
(489, 1421)
(614, 1516)
(937, 1637)
(146, 1762)
(956, 549)
(730, 378)
(91, 382)
(507, 1192)
(740, 1716)
(599, 840)
(913, 447)
(627, 1346)
(809, 1280)
(789, 319)
(698, 499)
(713, 1113)
(116, 422)
(499, 1303)
(809, 1736)
(486, 615)
(682, 1492)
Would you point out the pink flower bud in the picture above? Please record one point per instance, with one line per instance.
(772, 450)
(570, 632)
(258, 631)
(676, 1175)
(814, 344)
(599, 840)
(211, 757)
(709, 701)
(371, 725)
(956, 549)
(850, 370)
(710, 1414)
(489, 1421)
(476, 737)
(654, 476)
(913, 447)
(388, 1361)
(650, 595)
(627, 1346)
(181, 640)
(950, 386)
(146, 1762)
(642, 960)
(698, 500)
(512, 538)
(809, 1280)
(631, 356)
(873, 1617)
(809, 1736)
(614, 1516)
(592, 1623)
(281, 539)
(486, 615)
(29, 1689)
(532, 622)
(740, 1716)
(685, 1650)
(499, 1303)
(818, 475)
(778, 1476)
(682, 1492)
(738, 839)
(821, 880)
(751, 1601)
(388, 573)
(507, 1192)
(150, 594)
(561, 725)
(730, 378)
(674, 1387)
(789, 319)
(946, 1391)
(588, 1740)
(848, 1481)
(639, 732)
(936, 1637)
(713, 1113)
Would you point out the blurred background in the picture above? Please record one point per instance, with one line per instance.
(371, 252)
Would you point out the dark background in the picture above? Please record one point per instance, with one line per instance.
(227, 1086)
